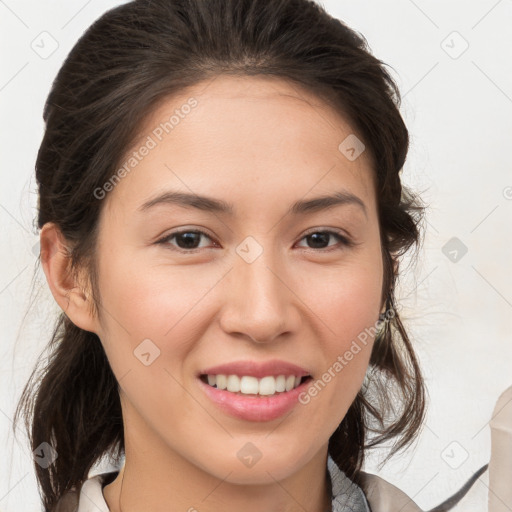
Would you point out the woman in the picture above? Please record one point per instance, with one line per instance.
(222, 220)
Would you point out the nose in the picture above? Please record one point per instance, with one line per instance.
(260, 304)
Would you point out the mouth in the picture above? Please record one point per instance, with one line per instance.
(247, 385)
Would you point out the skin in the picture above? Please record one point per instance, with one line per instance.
(261, 144)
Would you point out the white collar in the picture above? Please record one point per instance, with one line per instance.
(347, 496)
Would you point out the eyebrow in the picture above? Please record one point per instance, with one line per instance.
(210, 204)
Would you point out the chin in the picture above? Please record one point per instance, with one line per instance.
(262, 469)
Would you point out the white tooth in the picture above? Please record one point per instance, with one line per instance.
(233, 384)
(280, 383)
(249, 385)
(221, 381)
(267, 386)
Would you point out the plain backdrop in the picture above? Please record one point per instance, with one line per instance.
(453, 63)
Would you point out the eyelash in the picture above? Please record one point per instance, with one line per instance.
(345, 242)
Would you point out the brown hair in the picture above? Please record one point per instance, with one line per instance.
(135, 56)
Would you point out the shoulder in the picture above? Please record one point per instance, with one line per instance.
(384, 496)
(89, 498)
(373, 494)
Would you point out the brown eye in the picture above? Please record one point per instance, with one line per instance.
(320, 239)
(186, 240)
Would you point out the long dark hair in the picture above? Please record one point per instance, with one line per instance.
(135, 56)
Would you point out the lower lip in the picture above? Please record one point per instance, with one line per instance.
(255, 408)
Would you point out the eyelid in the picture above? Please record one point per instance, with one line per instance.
(344, 239)
(164, 240)
(334, 231)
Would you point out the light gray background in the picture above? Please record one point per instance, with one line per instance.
(458, 107)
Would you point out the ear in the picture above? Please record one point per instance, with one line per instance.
(56, 263)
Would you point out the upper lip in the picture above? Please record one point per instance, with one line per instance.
(256, 369)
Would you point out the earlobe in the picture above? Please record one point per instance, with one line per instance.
(69, 295)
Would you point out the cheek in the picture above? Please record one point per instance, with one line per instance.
(164, 304)
(152, 301)
(346, 305)
(346, 298)
(151, 315)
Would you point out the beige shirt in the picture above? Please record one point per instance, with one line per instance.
(376, 494)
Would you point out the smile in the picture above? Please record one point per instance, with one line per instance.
(249, 385)
(244, 403)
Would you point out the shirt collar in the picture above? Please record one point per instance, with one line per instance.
(346, 495)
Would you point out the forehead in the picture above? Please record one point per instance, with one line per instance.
(244, 135)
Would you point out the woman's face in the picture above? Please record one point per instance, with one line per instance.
(266, 281)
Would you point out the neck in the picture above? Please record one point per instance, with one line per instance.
(159, 477)
(138, 487)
